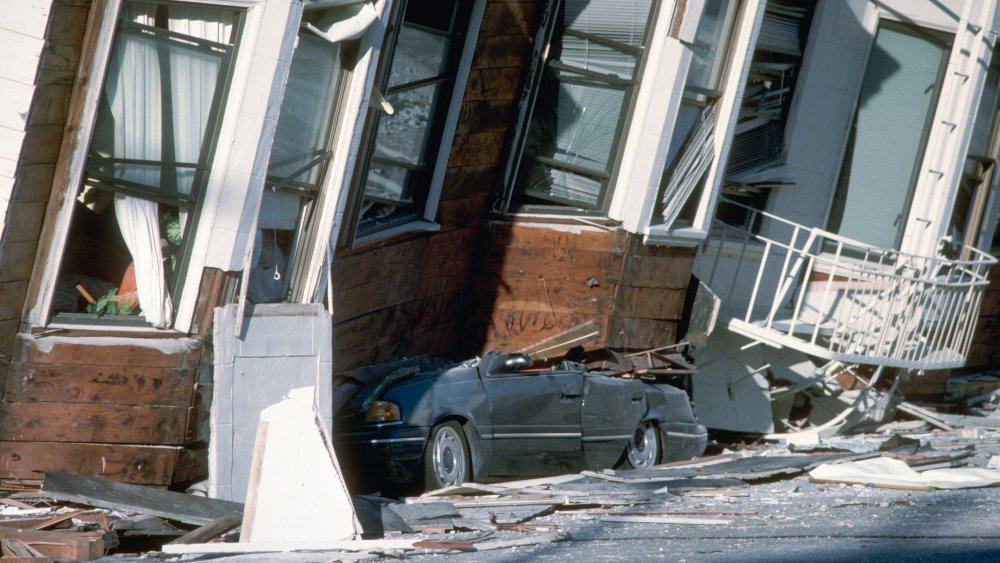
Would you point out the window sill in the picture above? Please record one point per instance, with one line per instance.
(683, 236)
(421, 226)
(66, 324)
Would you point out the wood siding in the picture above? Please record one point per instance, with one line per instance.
(106, 407)
(536, 281)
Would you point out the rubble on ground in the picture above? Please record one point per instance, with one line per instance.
(745, 490)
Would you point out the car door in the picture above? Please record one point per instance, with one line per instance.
(612, 408)
(535, 421)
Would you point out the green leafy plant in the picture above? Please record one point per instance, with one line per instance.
(105, 306)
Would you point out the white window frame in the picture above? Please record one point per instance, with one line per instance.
(428, 221)
(233, 191)
(743, 39)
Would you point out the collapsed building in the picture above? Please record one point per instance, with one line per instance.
(207, 203)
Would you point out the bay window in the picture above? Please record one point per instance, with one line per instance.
(148, 160)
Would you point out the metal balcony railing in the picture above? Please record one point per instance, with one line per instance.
(840, 299)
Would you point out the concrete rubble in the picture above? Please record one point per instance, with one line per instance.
(904, 480)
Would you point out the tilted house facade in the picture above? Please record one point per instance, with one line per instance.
(286, 189)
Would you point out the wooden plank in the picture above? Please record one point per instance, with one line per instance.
(88, 422)
(511, 18)
(640, 334)
(554, 296)
(163, 353)
(468, 181)
(391, 292)
(191, 465)
(499, 83)
(477, 149)
(514, 330)
(532, 235)
(210, 531)
(125, 384)
(565, 264)
(148, 465)
(649, 303)
(103, 493)
(655, 271)
(61, 545)
(56, 520)
(461, 213)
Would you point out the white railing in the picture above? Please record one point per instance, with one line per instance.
(840, 299)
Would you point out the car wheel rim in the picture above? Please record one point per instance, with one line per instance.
(449, 460)
(642, 447)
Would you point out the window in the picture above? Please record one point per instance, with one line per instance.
(580, 104)
(286, 227)
(692, 147)
(422, 75)
(891, 125)
(147, 165)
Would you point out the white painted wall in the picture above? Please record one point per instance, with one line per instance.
(284, 346)
(22, 34)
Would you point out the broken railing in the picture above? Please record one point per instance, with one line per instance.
(839, 299)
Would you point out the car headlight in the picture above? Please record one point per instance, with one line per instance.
(382, 411)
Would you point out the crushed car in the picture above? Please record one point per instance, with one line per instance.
(496, 417)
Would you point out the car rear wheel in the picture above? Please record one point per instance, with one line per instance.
(446, 461)
(643, 449)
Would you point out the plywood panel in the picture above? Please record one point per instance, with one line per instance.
(145, 465)
(130, 385)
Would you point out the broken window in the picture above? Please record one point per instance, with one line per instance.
(580, 104)
(758, 149)
(891, 124)
(412, 103)
(692, 148)
(147, 163)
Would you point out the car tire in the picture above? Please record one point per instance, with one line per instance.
(644, 449)
(446, 459)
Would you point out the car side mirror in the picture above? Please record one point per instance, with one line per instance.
(515, 363)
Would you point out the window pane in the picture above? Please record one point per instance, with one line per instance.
(404, 134)
(387, 185)
(304, 123)
(709, 43)
(419, 55)
(572, 138)
(136, 121)
(550, 183)
(895, 104)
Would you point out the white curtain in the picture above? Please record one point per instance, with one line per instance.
(134, 98)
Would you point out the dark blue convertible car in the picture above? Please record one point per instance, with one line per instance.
(495, 417)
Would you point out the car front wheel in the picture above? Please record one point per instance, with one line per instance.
(643, 449)
(446, 461)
